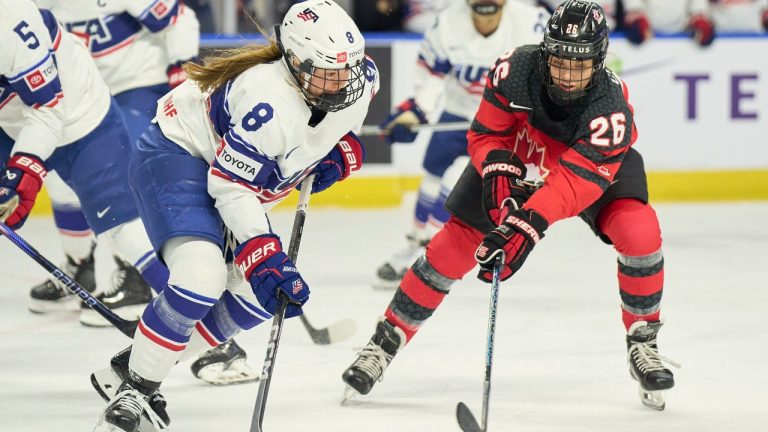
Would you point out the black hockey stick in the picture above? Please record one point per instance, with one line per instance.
(126, 327)
(466, 420)
(279, 317)
(336, 332)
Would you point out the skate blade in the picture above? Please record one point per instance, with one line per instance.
(67, 304)
(349, 395)
(652, 399)
(238, 372)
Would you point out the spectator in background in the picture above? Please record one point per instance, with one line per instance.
(379, 15)
(204, 14)
(740, 16)
(643, 17)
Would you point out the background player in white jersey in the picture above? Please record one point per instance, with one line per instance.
(740, 16)
(454, 59)
(59, 115)
(138, 47)
(642, 17)
(229, 144)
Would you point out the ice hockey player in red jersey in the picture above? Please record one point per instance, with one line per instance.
(553, 113)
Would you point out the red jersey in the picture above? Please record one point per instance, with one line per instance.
(577, 150)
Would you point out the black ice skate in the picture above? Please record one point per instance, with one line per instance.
(224, 365)
(129, 410)
(373, 359)
(51, 296)
(108, 380)
(128, 298)
(389, 274)
(645, 364)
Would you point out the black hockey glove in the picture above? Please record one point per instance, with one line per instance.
(515, 237)
(503, 174)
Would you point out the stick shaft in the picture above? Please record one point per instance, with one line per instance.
(126, 327)
(279, 317)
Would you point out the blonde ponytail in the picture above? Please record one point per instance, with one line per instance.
(228, 64)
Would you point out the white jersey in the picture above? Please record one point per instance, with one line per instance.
(51, 93)
(254, 133)
(456, 58)
(131, 41)
(669, 16)
(420, 14)
(738, 15)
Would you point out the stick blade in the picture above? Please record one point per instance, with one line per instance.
(341, 330)
(466, 420)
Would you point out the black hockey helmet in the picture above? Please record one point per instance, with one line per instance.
(577, 31)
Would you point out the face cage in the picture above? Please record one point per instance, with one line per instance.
(562, 96)
(350, 89)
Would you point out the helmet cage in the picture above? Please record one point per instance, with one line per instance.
(349, 80)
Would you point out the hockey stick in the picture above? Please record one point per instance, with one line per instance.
(466, 420)
(126, 327)
(279, 317)
(336, 332)
(436, 127)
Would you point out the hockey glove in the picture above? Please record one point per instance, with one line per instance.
(176, 74)
(269, 270)
(398, 124)
(503, 174)
(637, 28)
(515, 237)
(702, 29)
(345, 158)
(21, 181)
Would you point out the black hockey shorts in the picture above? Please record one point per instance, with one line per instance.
(466, 200)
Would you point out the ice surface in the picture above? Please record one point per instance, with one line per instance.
(560, 356)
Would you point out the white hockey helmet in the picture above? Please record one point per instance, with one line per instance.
(318, 34)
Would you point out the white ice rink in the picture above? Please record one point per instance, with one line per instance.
(560, 353)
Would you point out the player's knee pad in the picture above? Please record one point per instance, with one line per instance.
(229, 316)
(171, 317)
(196, 265)
(632, 226)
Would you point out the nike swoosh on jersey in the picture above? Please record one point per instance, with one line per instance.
(515, 106)
(100, 214)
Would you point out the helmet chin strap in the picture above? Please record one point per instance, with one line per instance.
(485, 8)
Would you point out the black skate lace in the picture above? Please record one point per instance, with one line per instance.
(134, 402)
(373, 360)
(118, 278)
(647, 358)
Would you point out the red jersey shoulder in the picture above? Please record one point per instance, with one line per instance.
(608, 121)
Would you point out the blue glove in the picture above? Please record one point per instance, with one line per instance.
(268, 269)
(398, 124)
(346, 158)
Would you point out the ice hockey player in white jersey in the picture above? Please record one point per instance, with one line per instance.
(453, 61)
(643, 17)
(58, 115)
(229, 144)
(138, 47)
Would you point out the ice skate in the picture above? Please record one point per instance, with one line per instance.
(51, 296)
(389, 274)
(223, 365)
(372, 360)
(645, 364)
(129, 411)
(107, 381)
(128, 297)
